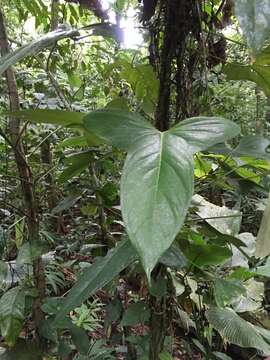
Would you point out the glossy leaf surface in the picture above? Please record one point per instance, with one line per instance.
(157, 179)
(202, 132)
(255, 146)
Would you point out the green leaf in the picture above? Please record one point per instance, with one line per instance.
(236, 330)
(118, 103)
(254, 19)
(54, 117)
(3, 271)
(79, 162)
(12, 314)
(35, 46)
(29, 252)
(113, 312)
(205, 254)
(80, 339)
(76, 141)
(225, 291)
(174, 258)
(165, 356)
(161, 168)
(263, 236)
(221, 356)
(253, 145)
(119, 128)
(202, 132)
(136, 313)
(74, 79)
(98, 275)
(23, 350)
(65, 204)
(259, 74)
(264, 270)
(159, 165)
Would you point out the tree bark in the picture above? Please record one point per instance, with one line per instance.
(27, 187)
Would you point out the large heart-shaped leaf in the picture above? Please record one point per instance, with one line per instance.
(157, 179)
(156, 189)
(254, 19)
(236, 330)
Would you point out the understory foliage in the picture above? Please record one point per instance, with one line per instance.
(134, 180)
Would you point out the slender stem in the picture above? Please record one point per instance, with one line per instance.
(27, 187)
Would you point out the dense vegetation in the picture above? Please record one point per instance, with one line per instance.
(134, 180)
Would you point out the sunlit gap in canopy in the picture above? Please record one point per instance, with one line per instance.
(129, 24)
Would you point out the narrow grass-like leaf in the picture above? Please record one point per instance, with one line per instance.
(98, 275)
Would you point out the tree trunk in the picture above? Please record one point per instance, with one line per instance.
(27, 186)
(179, 17)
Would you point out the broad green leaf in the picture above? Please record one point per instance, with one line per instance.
(65, 204)
(137, 313)
(253, 145)
(264, 270)
(165, 356)
(156, 189)
(225, 291)
(119, 128)
(12, 314)
(263, 58)
(80, 339)
(23, 350)
(252, 300)
(97, 275)
(206, 254)
(202, 132)
(35, 46)
(264, 332)
(54, 117)
(174, 258)
(78, 163)
(254, 19)
(157, 179)
(259, 74)
(114, 310)
(236, 330)
(118, 103)
(76, 141)
(263, 236)
(74, 79)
